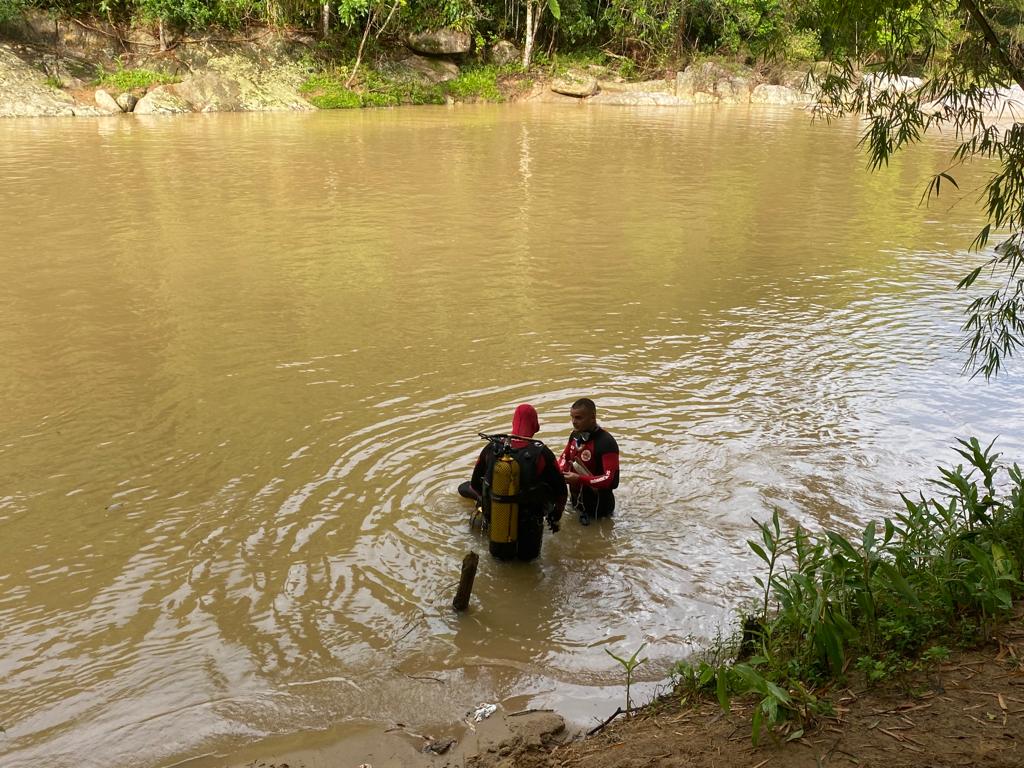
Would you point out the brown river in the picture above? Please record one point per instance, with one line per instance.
(246, 359)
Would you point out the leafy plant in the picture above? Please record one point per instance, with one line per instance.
(944, 567)
(11, 9)
(629, 665)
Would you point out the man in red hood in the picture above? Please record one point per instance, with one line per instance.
(543, 492)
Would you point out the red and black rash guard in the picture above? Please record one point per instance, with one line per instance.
(598, 452)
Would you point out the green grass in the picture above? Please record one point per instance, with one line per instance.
(327, 90)
(479, 83)
(887, 597)
(133, 79)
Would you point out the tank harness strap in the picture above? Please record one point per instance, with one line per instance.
(504, 499)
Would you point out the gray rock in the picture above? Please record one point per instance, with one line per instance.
(127, 102)
(575, 84)
(724, 84)
(647, 86)
(1007, 104)
(106, 102)
(876, 83)
(733, 90)
(210, 92)
(162, 100)
(779, 94)
(87, 110)
(440, 41)
(24, 92)
(253, 83)
(799, 80)
(638, 99)
(424, 70)
(503, 52)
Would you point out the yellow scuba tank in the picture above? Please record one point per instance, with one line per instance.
(504, 506)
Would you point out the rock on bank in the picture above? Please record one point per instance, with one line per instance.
(48, 68)
(24, 91)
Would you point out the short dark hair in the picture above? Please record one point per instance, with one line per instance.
(585, 402)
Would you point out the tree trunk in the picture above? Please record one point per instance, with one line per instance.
(359, 54)
(327, 18)
(528, 42)
(160, 32)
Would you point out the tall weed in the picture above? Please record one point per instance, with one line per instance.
(946, 567)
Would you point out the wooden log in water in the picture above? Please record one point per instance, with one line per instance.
(469, 563)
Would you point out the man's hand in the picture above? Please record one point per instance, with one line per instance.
(571, 478)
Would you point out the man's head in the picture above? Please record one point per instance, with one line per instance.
(583, 414)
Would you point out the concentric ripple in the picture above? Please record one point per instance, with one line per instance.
(243, 387)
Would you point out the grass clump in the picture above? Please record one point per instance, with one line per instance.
(478, 83)
(943, 569)
(328, 91)
(133, 79)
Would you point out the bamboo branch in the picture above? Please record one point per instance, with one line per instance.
(993, 40)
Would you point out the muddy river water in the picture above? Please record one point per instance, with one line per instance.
(246, 359)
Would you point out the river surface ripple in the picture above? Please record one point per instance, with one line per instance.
(246, 358)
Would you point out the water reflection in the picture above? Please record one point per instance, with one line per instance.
(248, 382)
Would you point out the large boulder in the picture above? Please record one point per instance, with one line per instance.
(876, 83)
(645, 86)
(444, 41)
(106, 102)
(256, 82)
(1007, 104)
(127, 102)
(232, 77)
(726, 85)
(162, 100)
(638, 99)
(503, 52)
(575, 84)
(24, 91)
(733, 90)
(423, 69)
(210, 92)
(779, 94)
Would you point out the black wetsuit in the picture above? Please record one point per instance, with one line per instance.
(543, 495)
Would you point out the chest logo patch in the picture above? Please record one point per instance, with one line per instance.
(586, 455)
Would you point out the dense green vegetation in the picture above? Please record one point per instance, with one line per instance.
(650, 32)
(897, 594)
(335, 88)
(132, 79)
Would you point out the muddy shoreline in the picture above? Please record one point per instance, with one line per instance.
(966, 711)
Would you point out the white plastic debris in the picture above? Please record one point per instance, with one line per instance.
(483, 711)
